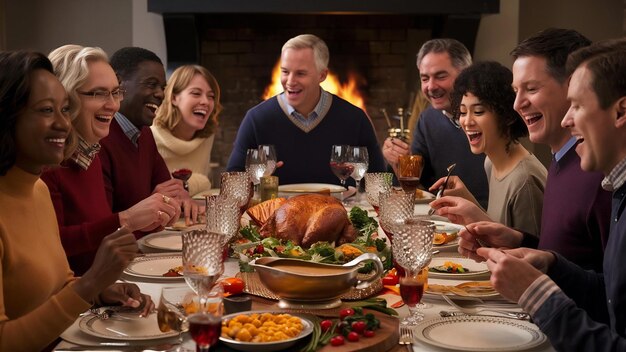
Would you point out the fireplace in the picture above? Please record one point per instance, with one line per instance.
(373, 41)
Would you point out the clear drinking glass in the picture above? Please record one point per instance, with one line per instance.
(255, 166)
(395, 208)
(339, 164)
(179, 308)
(270, 158)
(238, 186)
(359, 159)
(412, 250)
(375, 183)
(222, 216)
(202, 259)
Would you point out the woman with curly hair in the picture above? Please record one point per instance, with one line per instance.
(483, 101)
(184, 126)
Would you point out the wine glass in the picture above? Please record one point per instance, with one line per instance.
(270, 158)
(409, 171)
(339, 164)
(183, 175)
(180, 309)
(256, 166)
(202, 259)
(395, 208)
(412, 249)
(358, 158)
(375, 183)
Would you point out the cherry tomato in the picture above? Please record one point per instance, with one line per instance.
(369, 333)
(353, 336)
(390, 280)
(233, 285)
(359, 326)
(259, 249)
(325, 325)
(346, 312)
(337, 340)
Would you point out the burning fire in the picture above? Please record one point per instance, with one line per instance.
(348, 91)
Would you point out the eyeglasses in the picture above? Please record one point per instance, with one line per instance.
(103, 95)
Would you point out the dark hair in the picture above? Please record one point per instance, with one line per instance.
(126, 60)
(15, 88)
(459, 55)
(491, 82)
(554, 44)
(606, 60)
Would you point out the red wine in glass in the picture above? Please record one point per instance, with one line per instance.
(205, 329)
(411, 290)
(341, 170)
(183, 175)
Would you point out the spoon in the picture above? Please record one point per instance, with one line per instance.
(443, 186)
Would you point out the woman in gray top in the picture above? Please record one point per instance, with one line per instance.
(483, 101)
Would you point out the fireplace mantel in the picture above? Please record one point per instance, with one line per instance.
(405, 7)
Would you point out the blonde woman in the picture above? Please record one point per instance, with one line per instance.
(184, 127)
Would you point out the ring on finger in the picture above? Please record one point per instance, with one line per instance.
(166, 199)
(160, 213)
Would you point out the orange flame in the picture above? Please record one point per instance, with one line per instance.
(348, 91)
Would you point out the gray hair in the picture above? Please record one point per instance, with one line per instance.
(459, 55)
(304, 41)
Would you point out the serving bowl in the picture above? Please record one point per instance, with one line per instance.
(305, 284)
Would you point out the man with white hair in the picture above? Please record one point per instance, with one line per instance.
(305, 121)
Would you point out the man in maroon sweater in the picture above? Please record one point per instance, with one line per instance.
(132, 166)
(576, 210)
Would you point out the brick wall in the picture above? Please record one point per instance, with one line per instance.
(241, 50)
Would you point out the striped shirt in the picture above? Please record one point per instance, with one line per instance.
(537, 293)
(130, 130)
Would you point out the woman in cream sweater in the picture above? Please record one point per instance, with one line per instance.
(184, 126)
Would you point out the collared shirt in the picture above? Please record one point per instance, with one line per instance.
(85, 153)
(616, 178)
(564, 149)
(308, 122)
(130, 130)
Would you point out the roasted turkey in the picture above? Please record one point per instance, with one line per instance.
(310, 218)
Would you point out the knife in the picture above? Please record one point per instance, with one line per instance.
(520, 316)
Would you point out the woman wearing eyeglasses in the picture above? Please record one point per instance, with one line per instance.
(184, 126)
(39, 295)
(483, 101)
(77, 187)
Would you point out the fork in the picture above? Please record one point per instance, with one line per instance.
(406, 337)
(443, 186)
(476, 310)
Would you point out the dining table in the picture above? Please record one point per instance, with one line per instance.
(426, 337)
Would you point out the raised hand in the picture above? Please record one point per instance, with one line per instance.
(487, 233)
(459, 210)
(455, 188)
(156, 211)
(393, 148)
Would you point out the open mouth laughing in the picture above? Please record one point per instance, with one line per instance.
(531, 119)
(104, 118)
(474, 136)
(152, 107)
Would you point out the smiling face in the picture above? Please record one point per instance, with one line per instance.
(44, 124)
(480, 125)
(599, 143)
(195, 103)
(95, 115)
(437, 75)
(144, 93)
(540, 100)
(301, 79)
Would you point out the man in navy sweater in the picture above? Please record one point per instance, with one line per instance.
(305, 121)
(438, 139)
(563, 299)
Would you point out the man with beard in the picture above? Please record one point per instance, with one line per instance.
(132, 166)
(437, 138)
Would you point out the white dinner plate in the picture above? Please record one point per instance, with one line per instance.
(475, 269)
(448, 227)
(267, 346)
(426, 198)
(211, 192)
(164, 240)
(480, 333)
(153, 266)
(310, 188)
(126, 327)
